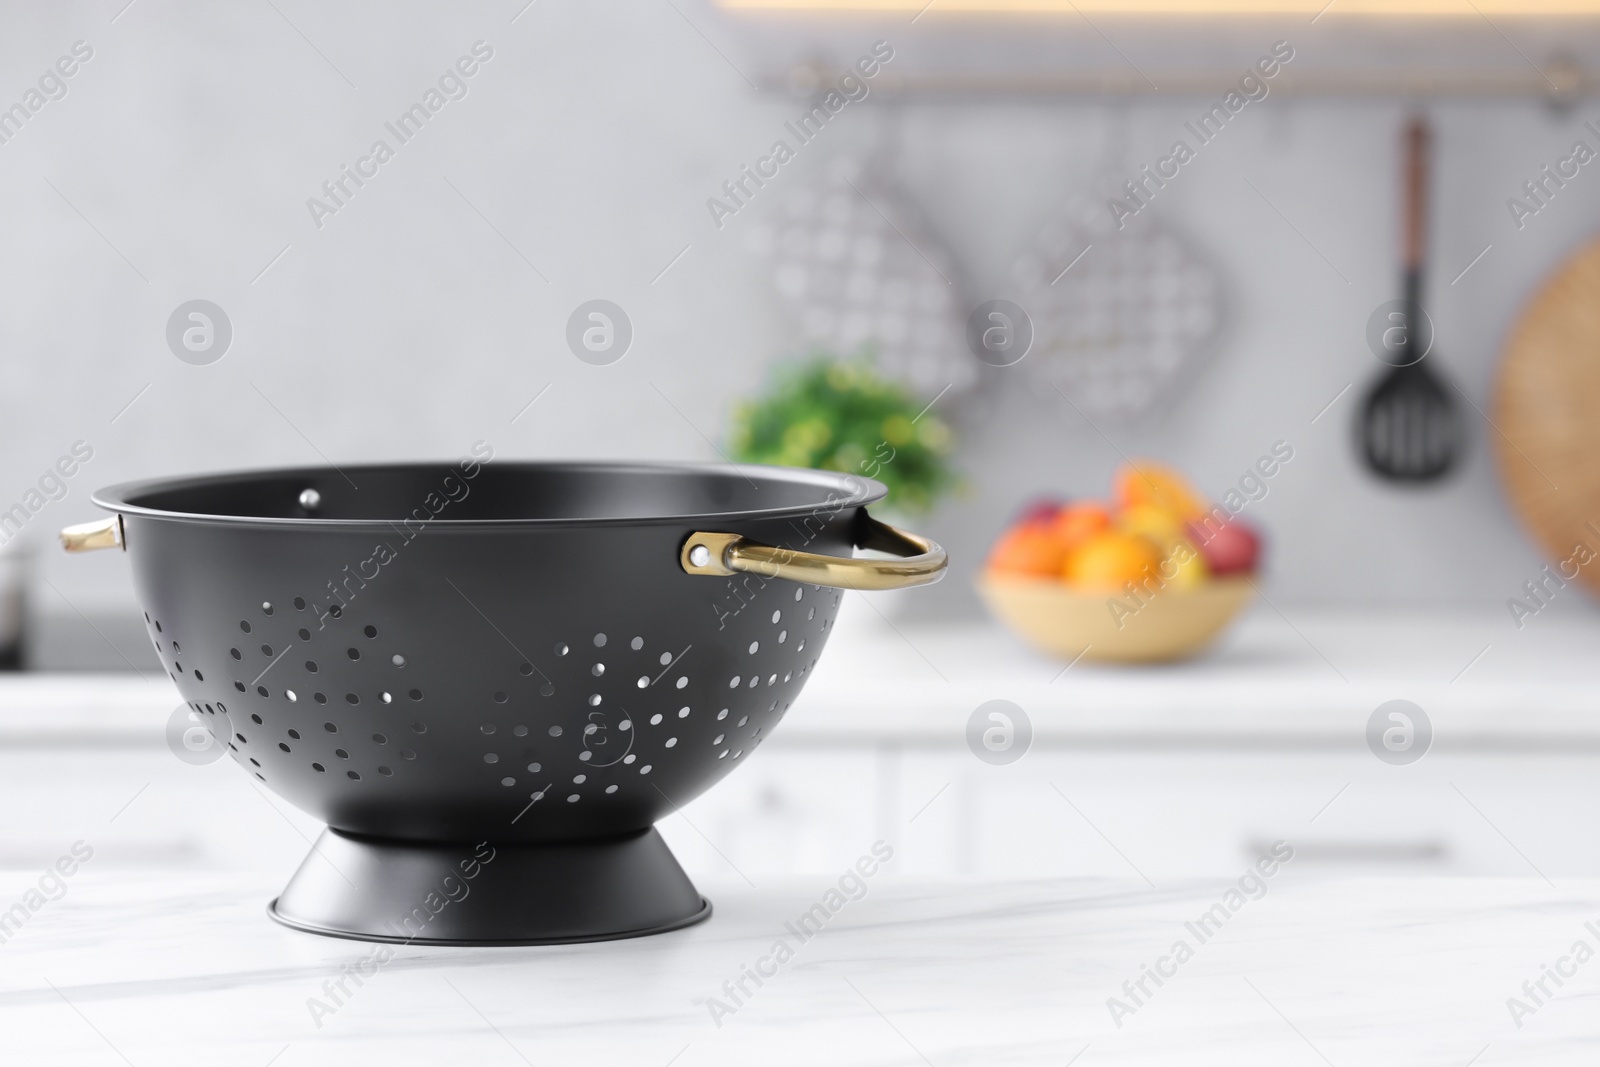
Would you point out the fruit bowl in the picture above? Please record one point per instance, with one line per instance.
(1154, 573)
(1171, 624)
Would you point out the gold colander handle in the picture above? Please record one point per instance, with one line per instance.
(921, 561)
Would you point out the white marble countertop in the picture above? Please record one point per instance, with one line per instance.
(162, 969)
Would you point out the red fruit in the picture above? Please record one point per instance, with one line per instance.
(1040, 512)
(1227, 548)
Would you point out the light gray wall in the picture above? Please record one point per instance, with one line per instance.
(407, 326)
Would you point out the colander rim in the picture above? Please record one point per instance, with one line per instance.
(851, 491)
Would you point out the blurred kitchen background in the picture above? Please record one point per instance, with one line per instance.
(431, 310)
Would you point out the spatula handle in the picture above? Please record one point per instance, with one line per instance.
(1414, 233)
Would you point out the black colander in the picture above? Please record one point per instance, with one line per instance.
(491, 679)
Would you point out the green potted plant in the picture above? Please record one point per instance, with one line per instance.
(841, 415)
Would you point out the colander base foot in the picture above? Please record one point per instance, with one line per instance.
(461, 893)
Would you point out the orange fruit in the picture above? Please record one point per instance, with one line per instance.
(1153, 521)
(1144, 482)
(1108, 561)
(1076, 523)
(1031, 550)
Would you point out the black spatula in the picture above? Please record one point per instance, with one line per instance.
(1410, 428)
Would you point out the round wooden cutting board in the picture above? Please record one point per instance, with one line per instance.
(1547, 407)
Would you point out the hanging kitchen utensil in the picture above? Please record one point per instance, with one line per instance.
(497, 675)
(1410, 426)
(853, 254)
(1544, 404)
(1122, 318)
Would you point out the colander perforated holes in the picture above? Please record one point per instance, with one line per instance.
(341, 753)
(294, 734)
(256, 719)
(319, 768)
(351, 698)
(655, 720)
(733, 683)
(353, 653)
(353, 776)
(311, 665)
(798, 593)
(234, 652)
(611, 789)
(266, 608)
(419, 727)
(266, 650)
(739, 753)
(644, 681)
(533, 768)
(561, 648)
(811, 614)
(723, 714)
(573, 799)
(787, 675)
(754, 682)
(508, 781)
(547, 690)
(290, 693)
(636, 644)
(158, 627)
(370, 631)
(520, 731)
(555, 731)
(683, 712)
(406, 753)
(599, 640)
(305, 634)
(198, 676)
(525, 669)
(397, 659)
(386, 772)
(336, 611)
(723, 754)
(244, 624)
(598, 669)
(625, 725)
(380, 739)
(299, 603)
(671, 741)
(415, 694)
(594, 700)
(742, 720)
(490, 757)
(500, 697)
(283, 746)
(255, 762)
(238, 685)
(261, 689)
(319, 698)
(683, 681)
(629, 758)
(666, 658)
(487, 728)
(243, 740)
(773, 680)
(801, 647)
(586, 755)
(645, 769)
(718, 739)
(579, 779)
(783, 635)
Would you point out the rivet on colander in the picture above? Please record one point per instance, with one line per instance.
(310, 499)
(699, 555)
